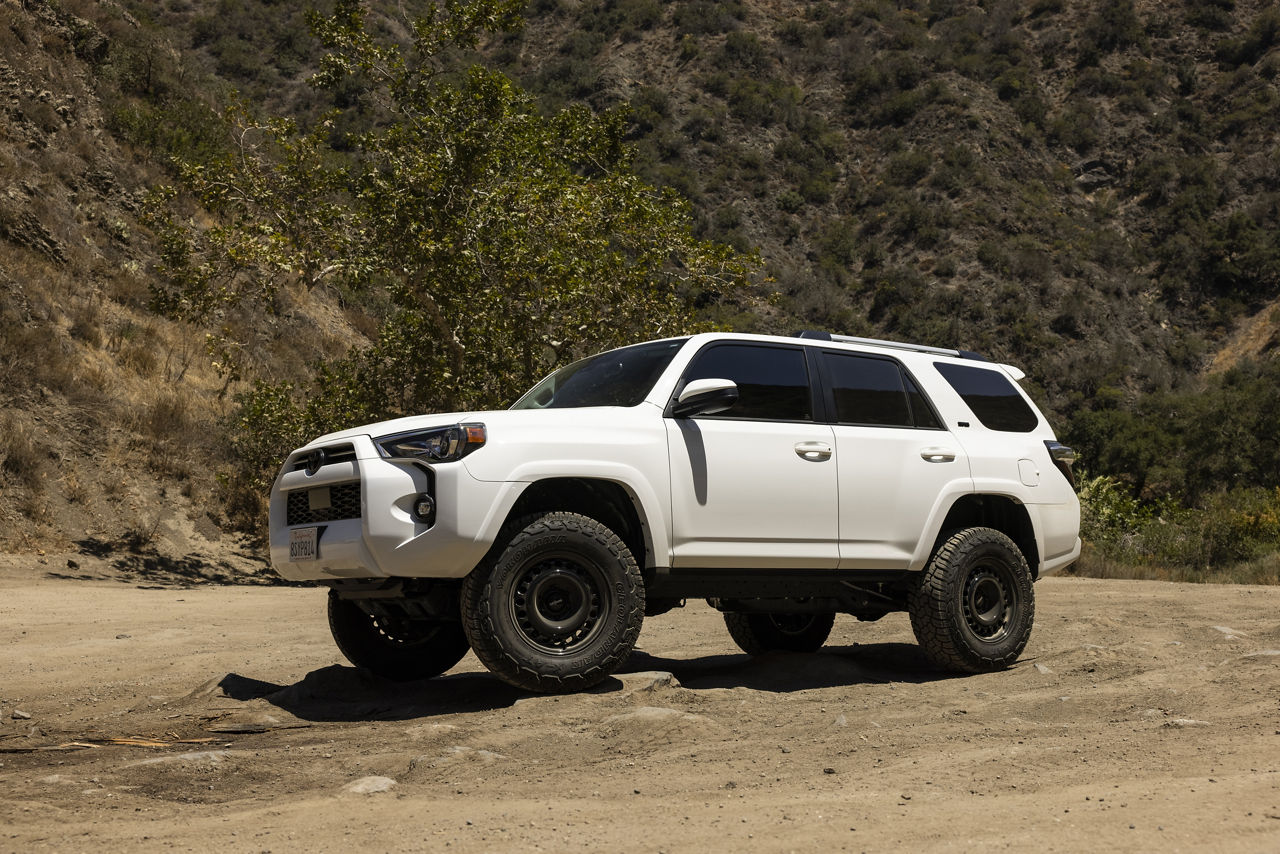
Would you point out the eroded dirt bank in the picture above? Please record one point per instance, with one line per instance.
(1144, 716)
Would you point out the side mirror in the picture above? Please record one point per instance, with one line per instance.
(705, 397)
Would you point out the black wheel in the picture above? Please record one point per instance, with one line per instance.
(400, 649)
(558, 608)
(973, 607)
(757, 634)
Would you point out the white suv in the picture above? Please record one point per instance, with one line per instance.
(785, 480)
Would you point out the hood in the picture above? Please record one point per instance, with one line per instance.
(504, 420)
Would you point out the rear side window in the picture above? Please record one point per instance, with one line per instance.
(875, 392)
(991, 396)
(773, 382)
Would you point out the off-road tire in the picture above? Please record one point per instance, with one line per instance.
(417, 649)
(757, 634)
(973, 606)
(556, 606)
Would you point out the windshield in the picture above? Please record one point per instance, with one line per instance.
(616, 378)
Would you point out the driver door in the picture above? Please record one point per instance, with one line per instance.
(754, 486)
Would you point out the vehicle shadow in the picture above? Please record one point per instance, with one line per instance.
(785, 672)
(342, 693)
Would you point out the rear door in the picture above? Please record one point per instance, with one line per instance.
(897, 464)
(754, 486)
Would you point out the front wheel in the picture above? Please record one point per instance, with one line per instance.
(402, 649)
(757, 634)
(559, 608)
(973, 606)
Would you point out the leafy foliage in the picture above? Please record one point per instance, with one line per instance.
(1190, 444)
(1232, 527)
(507, 240)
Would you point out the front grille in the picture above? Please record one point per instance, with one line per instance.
(308, 506)
(325, 456)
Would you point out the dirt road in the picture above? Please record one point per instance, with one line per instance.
(1144, 716)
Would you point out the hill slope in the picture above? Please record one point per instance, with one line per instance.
(1090, 190)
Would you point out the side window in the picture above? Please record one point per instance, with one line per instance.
(867, 391)
(773, 382)
(877, 392)
(991, 396)
(921, 411)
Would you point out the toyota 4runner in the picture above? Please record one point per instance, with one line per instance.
(785, 480)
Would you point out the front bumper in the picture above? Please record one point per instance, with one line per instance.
(385, 539)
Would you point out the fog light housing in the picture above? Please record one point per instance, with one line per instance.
(424, 508)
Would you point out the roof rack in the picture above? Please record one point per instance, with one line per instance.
(897, 345)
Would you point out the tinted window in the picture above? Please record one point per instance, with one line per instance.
(920, 408)
(868, 391)
(876, 391)
(616, 378)
(773, 382)
(991, 396)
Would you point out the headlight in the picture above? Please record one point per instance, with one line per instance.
(438, 445)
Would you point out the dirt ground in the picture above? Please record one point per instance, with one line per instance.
(1143, 716)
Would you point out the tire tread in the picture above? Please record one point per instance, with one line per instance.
(929, 604)
(487, 642)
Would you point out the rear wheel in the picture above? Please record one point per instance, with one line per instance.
(559, 608)
(401, 649)
(973, 606)
(757, 634)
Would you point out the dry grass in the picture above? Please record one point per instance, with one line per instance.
(139, 357)
(21, 459)
(74, 489)
(1264, 570)
(168, 418)
(85, 325)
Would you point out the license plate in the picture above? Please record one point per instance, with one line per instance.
(303, 544)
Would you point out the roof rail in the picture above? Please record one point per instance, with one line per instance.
(897, 345)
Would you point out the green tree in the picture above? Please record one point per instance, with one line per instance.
(506, 240)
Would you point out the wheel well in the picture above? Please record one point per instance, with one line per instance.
(603, 500)
(994, 511)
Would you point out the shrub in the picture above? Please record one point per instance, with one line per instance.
(1076, 127)
(992, 256)
(1263, 34)
(909, 168)
(1231, 527)
(790, 201)
(1113, 26)
(701, 17)
(744, 50)
(582, 45)
(1210, 14)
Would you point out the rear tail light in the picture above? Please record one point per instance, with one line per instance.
(1062, 457)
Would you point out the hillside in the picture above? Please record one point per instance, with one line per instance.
(1089, 190)
(113, 429)
(1086, 188)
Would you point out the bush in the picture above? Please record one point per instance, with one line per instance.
(1076, 127)
(1210, 14)
(1263, 34)
(1114, 26)
(909, 168)
(790, 201)
(701, 17)
(1232, 526)
(745, 51)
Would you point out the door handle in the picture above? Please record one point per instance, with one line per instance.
(938, 455)
(814, 452)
